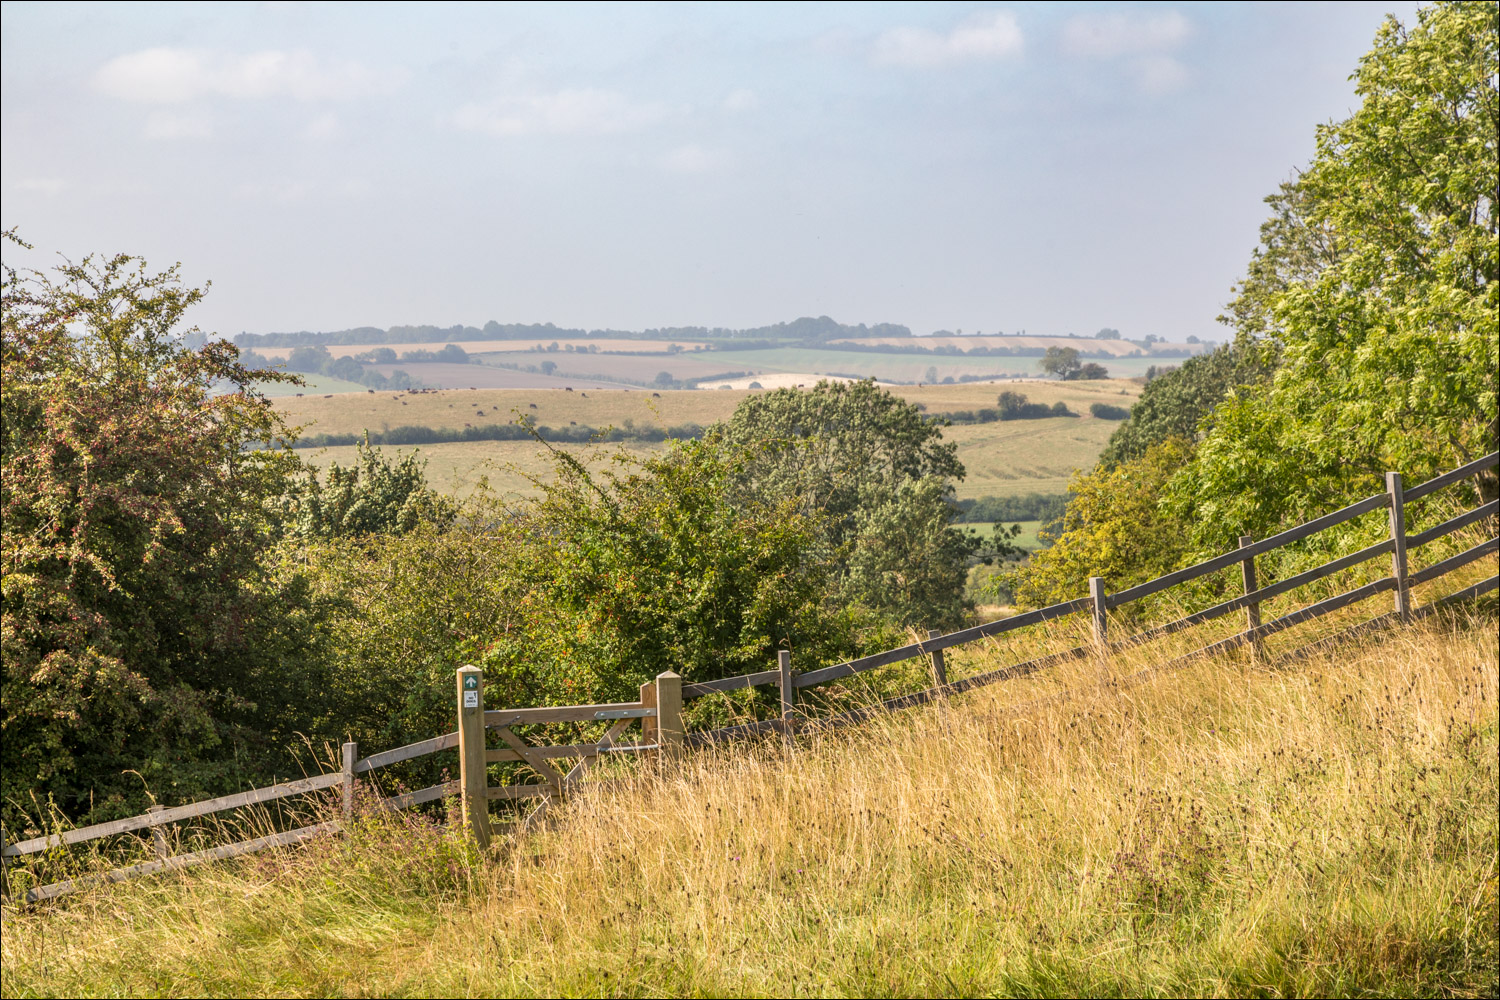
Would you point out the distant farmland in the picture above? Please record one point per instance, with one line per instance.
(1004, 459)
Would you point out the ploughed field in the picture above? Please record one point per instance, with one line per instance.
(1003, 458)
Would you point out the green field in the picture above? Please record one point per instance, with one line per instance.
(1003, 459)
(1026, 539)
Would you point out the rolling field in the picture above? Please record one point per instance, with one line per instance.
(1115, 347)
(1003, 459)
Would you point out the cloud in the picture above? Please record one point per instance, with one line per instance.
(989, 35)
(167, 125)
(692, 159)
(48, 187)
(1159, 74)
(324, 126)
(743, 99)
(1109, 35)
(1139, 43)
(567, 112)
(176, 75)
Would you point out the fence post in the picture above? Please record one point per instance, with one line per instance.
(351, 755)
(648, 724)
(1252, 610)
(1101, 619)
(158, 835)
(1398, 536)
(939, 668)
(473, 781)
(669, 710)
(788, 693)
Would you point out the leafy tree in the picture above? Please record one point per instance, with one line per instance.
(849, 451)
(1176, 403)
(599, 583)
(1090, 370)
(1104, 411)
(1060, 361)
(1387, 338)
(143, 640)
(1113, 527)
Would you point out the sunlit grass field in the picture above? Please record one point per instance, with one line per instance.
(1232, 828)
(1003, 459)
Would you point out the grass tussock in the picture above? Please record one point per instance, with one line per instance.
(1326, 827)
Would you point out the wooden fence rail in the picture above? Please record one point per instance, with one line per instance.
(659, 710)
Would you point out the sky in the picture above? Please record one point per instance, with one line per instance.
(1052, 168)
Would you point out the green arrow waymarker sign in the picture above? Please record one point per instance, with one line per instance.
(471, 683)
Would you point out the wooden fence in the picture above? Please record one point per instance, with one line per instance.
(659, 709)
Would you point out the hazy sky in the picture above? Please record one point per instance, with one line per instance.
(1057, 167)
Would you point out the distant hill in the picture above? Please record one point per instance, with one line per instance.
(804, 329)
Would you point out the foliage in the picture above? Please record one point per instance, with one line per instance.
(1389, 334)
(1177, 402)
(373, 496)
(142, 641)
(1014, 405)
(1090, 370)
(1026, 507)
(862, 461)
(597, 585)
(1104, 411)
(1060, 361)
(1113, 528)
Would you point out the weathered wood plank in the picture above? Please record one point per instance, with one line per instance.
(1473, 590)
(540, 764)
(174, 814)
(1451, 525)
(1263, 594)
(183, 860)
(1393, 488)
(1323, 607)
(559, 752)
(939, 665)
(701, 688)
(1452, 563)
(429, 794)
(1233, 556)
(559, 713)
(445, 742)
(1449, 478)
(997, 627)
(743, 731)
(519, 791)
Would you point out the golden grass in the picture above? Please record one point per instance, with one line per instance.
(1321, 827)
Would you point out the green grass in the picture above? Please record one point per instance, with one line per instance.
(1026, 539)
(1324, 827)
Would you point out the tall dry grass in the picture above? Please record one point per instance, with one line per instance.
(1322, 827)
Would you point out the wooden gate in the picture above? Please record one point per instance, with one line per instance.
(561, 766)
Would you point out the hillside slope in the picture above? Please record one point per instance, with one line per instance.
(1321, 827)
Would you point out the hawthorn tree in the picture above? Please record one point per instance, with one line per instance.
(140, 631)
